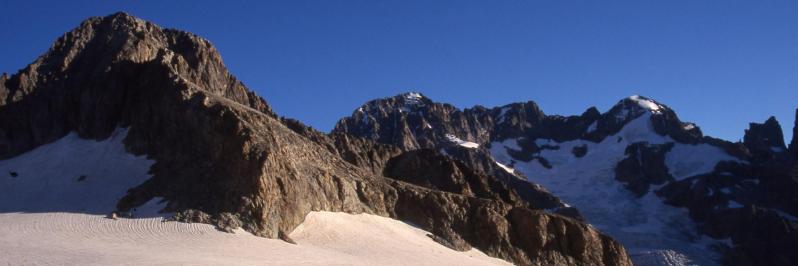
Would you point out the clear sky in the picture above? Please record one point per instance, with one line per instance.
(720, 64)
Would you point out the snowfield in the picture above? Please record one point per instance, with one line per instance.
(54, 201)
(653, 232)
(325, 238)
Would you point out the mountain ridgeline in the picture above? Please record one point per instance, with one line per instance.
(741, 193)
(632, 184)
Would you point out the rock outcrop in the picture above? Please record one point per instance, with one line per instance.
(766, 238)
(763, 140)
(430, 169)
(223, 157)
(643, 167)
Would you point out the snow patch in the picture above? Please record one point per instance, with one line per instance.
(734, 204)
(685, 160)
(661, 257)
(502, 114)
(151, 209)
(458, 141)
(646, 104)
(324, 238)
(413, 96)
(506, 168)
(72, 175)
(786, 215)
(592, 127)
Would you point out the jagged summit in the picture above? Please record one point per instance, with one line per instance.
(765, 139)
(412, 96)
(92, 74)
(635, 106)
(406, 102)
(101, 43)
(646, 103)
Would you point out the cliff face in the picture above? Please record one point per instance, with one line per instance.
(83, 82)
(223, 157)
(765, 138)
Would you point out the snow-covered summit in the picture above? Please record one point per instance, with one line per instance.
(646, 103)
(634, 106)
(412, 95)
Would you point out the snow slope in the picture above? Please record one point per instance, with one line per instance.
(654, 233)
(54, 201)
(71, 174)
(324, 239)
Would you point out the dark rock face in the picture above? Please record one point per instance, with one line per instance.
(430, 169)
(742, 202)
(764, 139)
(534, 195)
(644, 166)
(485, 221)
(223, 157)
(412, 121)
(768, 239)
(794, 142)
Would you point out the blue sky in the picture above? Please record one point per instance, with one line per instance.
(720, 64)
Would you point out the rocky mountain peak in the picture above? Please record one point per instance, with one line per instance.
(764, 138)
(100, 44)
(405, 103)
(635, 106)
(93, 74)
(414, 99)
(664, 120)
(408, 120)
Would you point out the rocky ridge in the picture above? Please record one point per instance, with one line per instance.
(755, 193)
